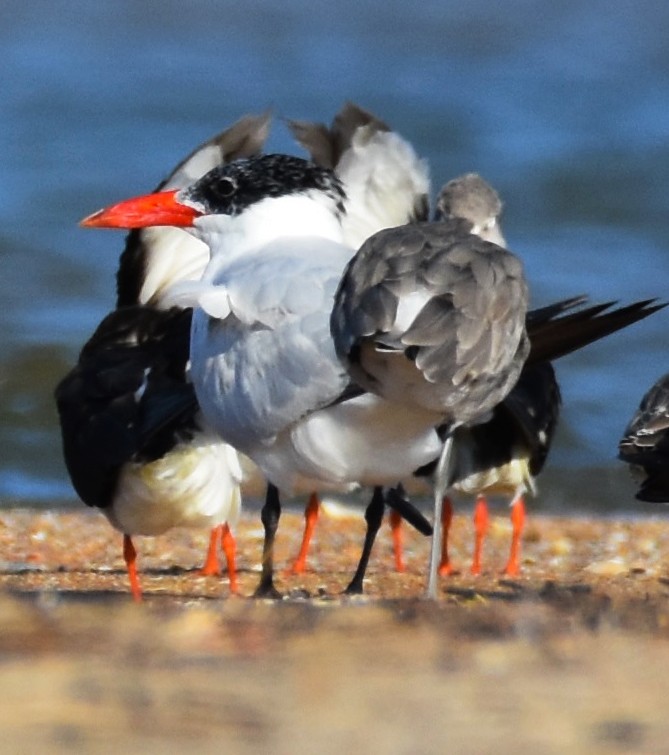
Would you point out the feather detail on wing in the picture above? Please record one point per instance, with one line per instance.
(450, 304)
(271, 360)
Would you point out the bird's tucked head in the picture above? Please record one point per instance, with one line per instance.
(470, 198)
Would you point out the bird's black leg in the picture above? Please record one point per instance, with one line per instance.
(271, 511)
(373, 517)
(397, 500)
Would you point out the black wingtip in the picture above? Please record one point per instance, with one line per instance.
(553, 338)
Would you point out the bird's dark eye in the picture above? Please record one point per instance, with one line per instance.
(226, 187)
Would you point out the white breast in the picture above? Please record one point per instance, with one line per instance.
(195, 485)
(365, 440)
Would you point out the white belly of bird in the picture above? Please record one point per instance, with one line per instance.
(512, 479)
(195, 485)
(364, 441)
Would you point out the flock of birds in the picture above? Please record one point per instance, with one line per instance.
(315, 317)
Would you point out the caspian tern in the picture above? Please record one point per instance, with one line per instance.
(134, 441)
(645, 444)
(263, 362)
(268, 434)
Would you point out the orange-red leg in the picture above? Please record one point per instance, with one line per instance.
(229, 546)
(397, 532)
(480, 530)
(310, 519)
(512, 568)
(445, 567)
(211, 566)
(130, 557)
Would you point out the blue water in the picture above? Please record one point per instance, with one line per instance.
(565, 110)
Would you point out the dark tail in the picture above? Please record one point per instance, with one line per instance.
(552, 336)
(536, 317)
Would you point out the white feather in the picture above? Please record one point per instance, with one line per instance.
(383, 178)
(174, 256)
(195, 485)
(215, 301)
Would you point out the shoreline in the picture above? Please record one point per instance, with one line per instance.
(571, 656)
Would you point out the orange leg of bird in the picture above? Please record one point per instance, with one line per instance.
(211, 566)
(130, 557)
(445, 567)
(395, 521)
(480, 530)
(229, 546)
(512, 568)
(310, 519)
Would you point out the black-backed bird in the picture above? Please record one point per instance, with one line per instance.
(134, 442)
(645, 444)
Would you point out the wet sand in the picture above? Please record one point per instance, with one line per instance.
(573, 656)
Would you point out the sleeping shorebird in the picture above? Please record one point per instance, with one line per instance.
(147, 470)
(645, 444)
(504, 455)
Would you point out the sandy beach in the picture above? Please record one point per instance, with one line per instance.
(572, 656)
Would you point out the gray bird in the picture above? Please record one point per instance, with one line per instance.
(645, 444)
(503, 455)
(432, 317)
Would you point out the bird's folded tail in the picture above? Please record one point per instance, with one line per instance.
(552, 337)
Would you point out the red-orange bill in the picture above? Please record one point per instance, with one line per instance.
(141, 212)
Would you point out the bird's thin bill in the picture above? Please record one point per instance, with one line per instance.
(161, 208)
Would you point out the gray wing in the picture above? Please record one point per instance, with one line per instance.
(245, 138)
(326, 145)
(432, 314)
(649, 426)
(645, 443)
(273, 356)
